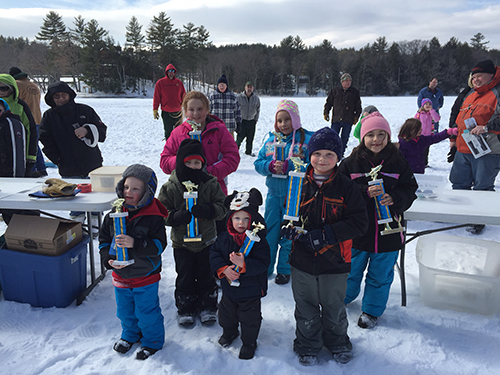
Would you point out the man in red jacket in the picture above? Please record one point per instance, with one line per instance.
(169, 93)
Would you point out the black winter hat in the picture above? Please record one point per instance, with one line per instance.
(17, 73)
(485, 66)
(248, 201)
(326, 139)
(58, 86)
(146, 175)
(223, 79)
(189, 149)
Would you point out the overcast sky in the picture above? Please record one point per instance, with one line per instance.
(346, 24)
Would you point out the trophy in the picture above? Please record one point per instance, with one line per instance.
(383, 212)
(279, 152)
(120, 227)
(195, 133)
(292, 205)
(190, 198)
(245, 249)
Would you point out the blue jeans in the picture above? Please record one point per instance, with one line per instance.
(343, 129)
(377, 282)
(478, 174)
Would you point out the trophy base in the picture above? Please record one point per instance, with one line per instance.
(292, 218)
(193, 239)
(123, 262)
(392, 231)
(235, 283)
(279, 175)
(384, 221)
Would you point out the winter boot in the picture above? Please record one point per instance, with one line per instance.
(208, 318)
(122, 346)
(185, 320)
(227, 338)
(308, 359)
(145, 353)
(342, 358)
(475, 229)
(282, 279)
(247, 351)
(367, 321)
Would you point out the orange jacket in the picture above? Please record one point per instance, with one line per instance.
(480, 103)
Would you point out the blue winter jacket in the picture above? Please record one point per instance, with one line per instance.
(279, 186)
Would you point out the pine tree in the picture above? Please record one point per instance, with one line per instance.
(133, 36)
(53, 29)
(76, 34)
(477, 42)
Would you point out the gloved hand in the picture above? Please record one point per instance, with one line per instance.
(272, 168)
(155, 114)
(181, 217)
(203, 211)
(451, 154)
(238, 127)
(317, 239)
(452, 131)
(290, 232)
(326, 117)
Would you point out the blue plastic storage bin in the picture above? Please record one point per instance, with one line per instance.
(42, 280)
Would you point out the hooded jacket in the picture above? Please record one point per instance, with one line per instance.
(219, 149)
(12, 144)
(169, 93)
(73, 156)
(20, 108)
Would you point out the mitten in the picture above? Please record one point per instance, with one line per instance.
(452, 131)
(451, 154)
(290, 232)
(155, 114)
(203, 211)
(58, 188)
(272, 169)
(326, 117)
(316, 239)
(181, 217)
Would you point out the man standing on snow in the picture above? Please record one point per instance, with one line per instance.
(346, 104)
(169, 93)
(436, 97)
(225, 105)
(250, 109)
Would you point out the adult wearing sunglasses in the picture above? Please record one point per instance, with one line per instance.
(10, 93)
(169, 93)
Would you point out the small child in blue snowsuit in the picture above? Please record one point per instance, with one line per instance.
(136, 285)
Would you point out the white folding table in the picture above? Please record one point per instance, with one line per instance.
(14, 195)
(461, 207)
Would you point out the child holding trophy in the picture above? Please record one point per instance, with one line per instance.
(387, 185)
(136, 272)
(332, 213)
(194, 201)
(288, 140)
(240, 258)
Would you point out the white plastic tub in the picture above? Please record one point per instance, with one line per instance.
(459, 273)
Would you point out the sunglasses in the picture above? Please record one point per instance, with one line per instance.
(171, 70)
(4, 88)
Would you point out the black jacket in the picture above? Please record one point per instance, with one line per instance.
(336, 203)
(12, 146)
(346, 105)
(147, 228)
(399, 183)
(253, 282)
(73, 156)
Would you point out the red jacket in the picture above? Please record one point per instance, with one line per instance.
(480, 103)
(219, 149)
(169, 93)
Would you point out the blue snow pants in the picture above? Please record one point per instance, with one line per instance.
(378, 279)
(274, 217)
(140, 314)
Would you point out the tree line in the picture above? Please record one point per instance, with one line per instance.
(86, 52)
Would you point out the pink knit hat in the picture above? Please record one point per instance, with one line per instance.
(374, 121)
(292, 109)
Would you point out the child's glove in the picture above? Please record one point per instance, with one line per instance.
(290, 232)
(58, 188)
(155, 114)
(203, 211)
(452, 131)
(272, 169)
(451, 154)
(181, 217)
(317, 239)
(326, 117)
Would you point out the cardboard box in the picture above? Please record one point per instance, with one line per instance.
(42, 235)
(44, 281)
(106, 178)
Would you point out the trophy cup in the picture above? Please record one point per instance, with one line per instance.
(245, 249)
(383, 211)
(279, 152)
(190, 198)
(120, 227)
(195, 133)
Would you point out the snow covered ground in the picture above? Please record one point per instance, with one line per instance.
(408, 340)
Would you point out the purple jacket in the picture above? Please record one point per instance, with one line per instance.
(414, 149)
(218, 145)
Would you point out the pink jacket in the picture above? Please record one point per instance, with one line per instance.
(218, 145)
(426, 119)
